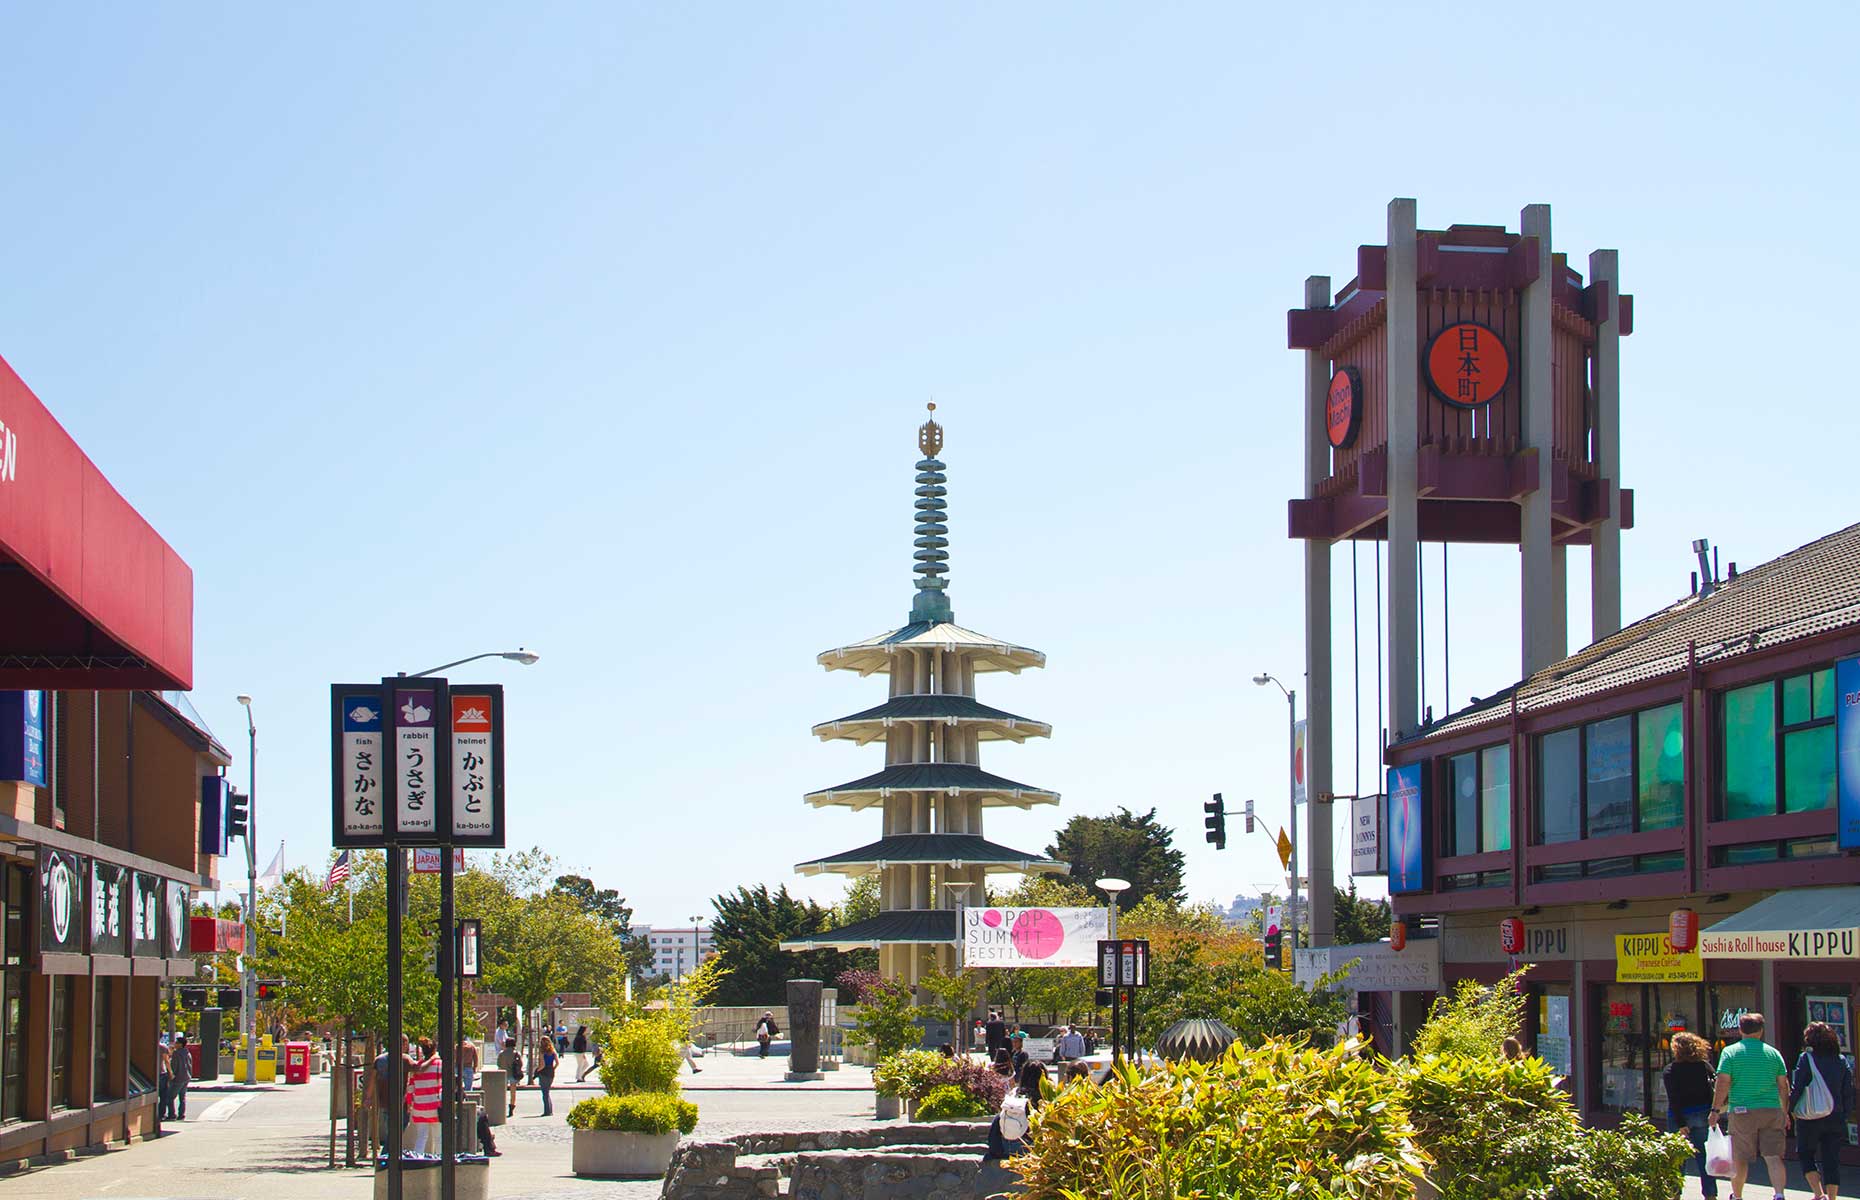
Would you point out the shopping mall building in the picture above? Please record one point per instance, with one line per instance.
(1697, 771)
(103, 768)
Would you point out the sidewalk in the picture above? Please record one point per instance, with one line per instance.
(727, 1072)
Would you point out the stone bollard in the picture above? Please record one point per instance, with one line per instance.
(803, 1029)
(493, 1083)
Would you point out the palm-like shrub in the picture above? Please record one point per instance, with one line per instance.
(638, 1112)
(947, 1102)
(641, 1056)
(908, 1074)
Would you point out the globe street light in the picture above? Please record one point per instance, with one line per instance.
(1113, 887)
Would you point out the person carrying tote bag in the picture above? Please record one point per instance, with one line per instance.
(1819, 1088)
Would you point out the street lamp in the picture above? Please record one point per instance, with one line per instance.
(1113, 887)
(527, 657)
(249, 985)
(697, 941)
(1291, 772)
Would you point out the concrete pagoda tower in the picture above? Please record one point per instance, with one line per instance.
(932, 855)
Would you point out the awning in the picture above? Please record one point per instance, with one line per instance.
(1800, 923)
(93, 597)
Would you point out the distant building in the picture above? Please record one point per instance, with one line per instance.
(677, 951)
(1241, 911)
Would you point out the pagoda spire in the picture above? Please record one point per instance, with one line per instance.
(932, 601)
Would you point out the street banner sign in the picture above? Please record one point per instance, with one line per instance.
(419, 777)
(1275, 920)
(1407, 829)
(468, 949)
(1123, 962)
(428, 859)
(1366, 856)
(1032, 937)
(355, 722)
(1847, 751)
(109, 933)
(1298, 767)
(477, 810)
(145, 915)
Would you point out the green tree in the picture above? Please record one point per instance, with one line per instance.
(1123, 846)
(955, 995)
(1475, 1019)
(1359, 920)
(749, 927)
(607, 905)
(861, 900)
(550, 945)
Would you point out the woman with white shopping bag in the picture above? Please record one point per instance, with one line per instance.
(1819, 1089)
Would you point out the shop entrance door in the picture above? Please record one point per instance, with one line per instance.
(1637, 1022)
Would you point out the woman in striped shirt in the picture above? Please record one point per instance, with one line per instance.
(424, 1085)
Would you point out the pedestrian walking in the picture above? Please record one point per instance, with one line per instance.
(1821, 1112)
(425, 1084)
(594, 1062)
(1753, 1090)
(468, 1063)
(1007, 1133)
(1071, 1045)
(163, 1084)
(766, 1032)
(579, 1047)
(180, 1073)
(1003, 1062)
(545, 1074)
(1689, 1086)
(378, 1092)
(561, 1041)
(994, 1033)
(689, 1054)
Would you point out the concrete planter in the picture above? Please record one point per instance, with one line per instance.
(602, 1152)
(888, 1108)
(910, 1109)
(419, 1180)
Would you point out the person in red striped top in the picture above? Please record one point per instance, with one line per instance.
(424, 1085)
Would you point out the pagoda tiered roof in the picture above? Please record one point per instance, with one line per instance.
(946, 849)
(923, 926)
(950, 778)
(873, 656)
(990, 724)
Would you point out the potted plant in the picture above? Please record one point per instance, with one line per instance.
(887, 1022)
(634, 1134)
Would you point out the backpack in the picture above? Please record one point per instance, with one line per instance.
(1014, 1117)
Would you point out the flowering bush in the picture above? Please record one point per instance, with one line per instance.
(978, 1082)
(855, 983)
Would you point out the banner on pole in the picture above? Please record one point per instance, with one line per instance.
(355, 721)
(477, 809)
(1033, 937)
(419, 776)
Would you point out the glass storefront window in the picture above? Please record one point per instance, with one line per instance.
(1778, 744)
(1660, 783)
(1559, 791)
(1750, 752)
(13, 928)
(1463, 785)
(1495, 798)
(1808, 769)
(62, 997)
(1637, 1023)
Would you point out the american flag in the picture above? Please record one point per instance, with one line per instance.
(338, 872)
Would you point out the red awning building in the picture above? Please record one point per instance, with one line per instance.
(103, 769)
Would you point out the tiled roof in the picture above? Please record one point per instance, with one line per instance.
(870, 724)
(933, 777)
(873, 655)
(952, 849)
(1810, 590)
(935, 926)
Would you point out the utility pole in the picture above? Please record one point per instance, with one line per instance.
(248, 1016)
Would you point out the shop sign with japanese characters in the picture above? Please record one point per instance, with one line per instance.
(419, 771)
(355, 764)
(477, 812)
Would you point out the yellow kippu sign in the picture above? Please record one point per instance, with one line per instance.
(1650, 958)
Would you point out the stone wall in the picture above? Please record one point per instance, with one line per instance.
(840, 1164)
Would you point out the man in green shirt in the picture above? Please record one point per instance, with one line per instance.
(1753, 1088)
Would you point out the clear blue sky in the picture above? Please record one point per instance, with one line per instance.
(425, 330)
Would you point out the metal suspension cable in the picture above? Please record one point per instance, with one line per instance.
(1446, 626)
(1420, 578)
(1380, 733)
(1356, 666)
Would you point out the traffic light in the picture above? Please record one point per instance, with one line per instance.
(1275, 959)
(238, 813)
(270, 989)
(1216, 821)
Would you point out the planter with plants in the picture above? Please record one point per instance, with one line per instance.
(628, 1135)
(887, 1022)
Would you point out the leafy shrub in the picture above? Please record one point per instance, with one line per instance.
(642, 1056)
(978, 1082)
(1475, 1020)
(1282, 1121)
(1500, 1130)
(949, 1103)
(908, 1074)
(638, 1112)
(886, 1021)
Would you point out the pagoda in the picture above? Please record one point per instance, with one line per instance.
(931, 857)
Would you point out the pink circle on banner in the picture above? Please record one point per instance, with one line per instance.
(991, 918)
(1038, 934)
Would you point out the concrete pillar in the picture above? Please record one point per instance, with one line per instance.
(1538, 588)
(1559, 602)
(1605, 386)
(1404, 521)
(1318, 822)
(1578, 1033)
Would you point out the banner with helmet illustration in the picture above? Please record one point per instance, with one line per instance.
(416, 761)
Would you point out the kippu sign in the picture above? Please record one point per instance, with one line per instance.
(1343, 407)
(1467, 365)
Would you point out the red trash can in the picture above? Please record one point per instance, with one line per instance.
(297, 1062)
(193, 1058)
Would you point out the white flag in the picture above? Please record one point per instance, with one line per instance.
(273, 875)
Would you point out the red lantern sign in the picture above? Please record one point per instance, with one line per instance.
(1398, 935)
(1511, 935)
(1682, 929)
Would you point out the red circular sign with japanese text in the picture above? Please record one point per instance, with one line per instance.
(1467, 365)
(1343, 407)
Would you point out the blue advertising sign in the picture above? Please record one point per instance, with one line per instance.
(213, 792)
(1407, 826)
(22, 737)
(1847, 749)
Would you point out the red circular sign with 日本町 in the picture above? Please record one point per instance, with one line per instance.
(1343, 407)
(1467, 365)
